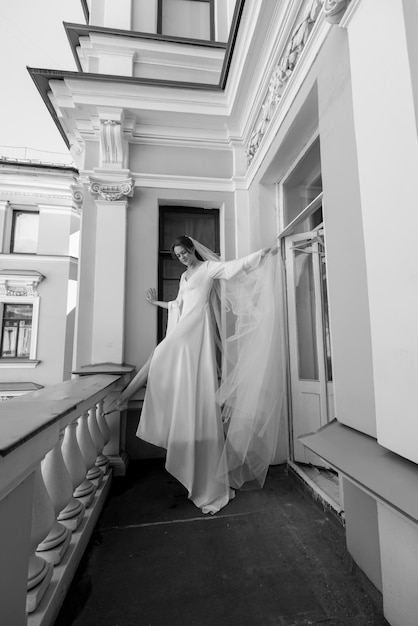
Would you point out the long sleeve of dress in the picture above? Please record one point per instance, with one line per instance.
(174, 310)
(229, 269)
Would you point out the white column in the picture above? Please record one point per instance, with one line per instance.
(383, 48)
(109, 282)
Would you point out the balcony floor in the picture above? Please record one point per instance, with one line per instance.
(270, 558)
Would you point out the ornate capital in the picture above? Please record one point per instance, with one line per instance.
(112, 190)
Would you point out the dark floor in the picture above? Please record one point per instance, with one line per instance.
(270, 558)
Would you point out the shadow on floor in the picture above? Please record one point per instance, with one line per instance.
(270, 558)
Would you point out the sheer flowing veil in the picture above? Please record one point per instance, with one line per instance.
(247, 310)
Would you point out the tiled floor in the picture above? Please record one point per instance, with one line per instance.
(270, 558)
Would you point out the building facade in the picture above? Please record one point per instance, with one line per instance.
(39, 238)
(262, 119)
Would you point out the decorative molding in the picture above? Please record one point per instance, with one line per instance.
(113, 129)
(333, 11)
(112, 190)
(20, 283)
(77, 195)
(111, 142)
(27, 194)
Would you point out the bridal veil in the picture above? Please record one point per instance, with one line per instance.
(247, 312)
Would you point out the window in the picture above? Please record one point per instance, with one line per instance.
(19, 317)
(302, 187)
(199, 223)
(25, 228)
(192, 19)
(16, 331)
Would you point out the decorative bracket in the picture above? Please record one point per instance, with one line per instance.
(77, 195)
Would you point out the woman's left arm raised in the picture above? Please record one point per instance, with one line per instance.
(229, 269)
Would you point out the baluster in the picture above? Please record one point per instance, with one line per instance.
(73, 513)
(98, 440)
(76, 465)
(43, 517)
(88, 448)
(60, 489)
(103, 425)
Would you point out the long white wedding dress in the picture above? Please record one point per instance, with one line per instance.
(180, 411)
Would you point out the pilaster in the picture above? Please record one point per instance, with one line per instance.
(110, 264)
(385, 120)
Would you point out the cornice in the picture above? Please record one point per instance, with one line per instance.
(31, 259)
(77, 31)
(158, 181)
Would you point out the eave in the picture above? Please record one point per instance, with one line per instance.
(42, 77)
(76, 31)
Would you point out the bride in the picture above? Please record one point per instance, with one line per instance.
(217, 437)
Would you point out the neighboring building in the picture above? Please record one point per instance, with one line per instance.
(295, 119)
(39, 239)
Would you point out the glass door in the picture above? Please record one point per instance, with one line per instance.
(311, 389)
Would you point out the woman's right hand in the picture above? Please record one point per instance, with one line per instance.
(151, 295)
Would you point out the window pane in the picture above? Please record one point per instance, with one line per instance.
(16, 330)
(200, 226)
(327, 330)
(305, 317)
(186, 18)
(18, 311)
(23, 344)
(171, 269)
(25, 232)
(303, 185)
(9, 340)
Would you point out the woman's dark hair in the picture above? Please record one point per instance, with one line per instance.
(187, 243)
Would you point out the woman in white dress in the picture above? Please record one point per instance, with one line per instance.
(181, 410)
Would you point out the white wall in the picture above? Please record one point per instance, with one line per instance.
(346, 263)
(385, 123)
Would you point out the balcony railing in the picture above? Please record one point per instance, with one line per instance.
(56, 454)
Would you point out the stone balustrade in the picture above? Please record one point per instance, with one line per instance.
(54, 478)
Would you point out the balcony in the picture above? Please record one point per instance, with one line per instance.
(57, 456)
(271, 556)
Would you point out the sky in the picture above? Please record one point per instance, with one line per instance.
(32, 34)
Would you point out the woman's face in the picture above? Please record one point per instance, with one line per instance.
(183, 255)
